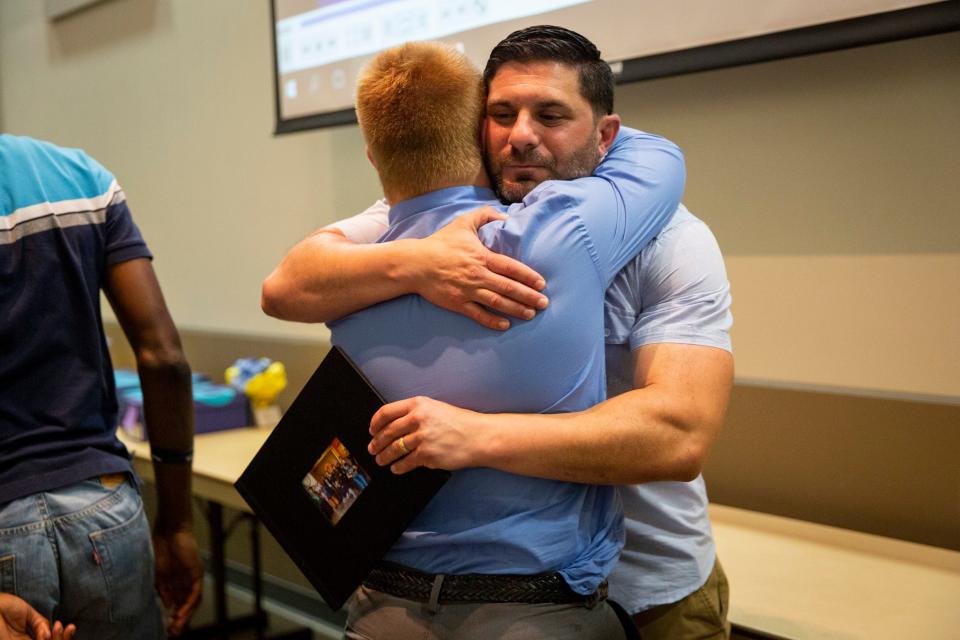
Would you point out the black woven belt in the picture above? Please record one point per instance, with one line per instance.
(539, 588)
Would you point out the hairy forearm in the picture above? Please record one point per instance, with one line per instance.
(326, 277)
(661, 430)
(637, 437)
(168, 414)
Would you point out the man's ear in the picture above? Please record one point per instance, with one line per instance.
(370, 156)
(608, 127)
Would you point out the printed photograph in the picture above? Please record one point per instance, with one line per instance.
(335, 481)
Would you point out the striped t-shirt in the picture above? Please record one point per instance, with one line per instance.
(63, 221)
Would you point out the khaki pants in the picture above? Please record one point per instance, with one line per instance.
(702, 615)
(374, 615)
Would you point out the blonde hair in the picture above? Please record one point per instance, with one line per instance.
(419, 106)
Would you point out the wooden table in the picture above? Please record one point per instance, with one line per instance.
(218, 460)
(801, 580)
(789, 578)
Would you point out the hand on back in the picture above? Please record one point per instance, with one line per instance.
(461, 275)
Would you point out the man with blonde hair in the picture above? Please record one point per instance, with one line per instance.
(420, 139)
(500, 552)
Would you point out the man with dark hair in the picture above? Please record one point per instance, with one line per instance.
(74, 540)
(666, 326)
(556, 44)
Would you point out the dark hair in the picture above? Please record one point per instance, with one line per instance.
(556, 44)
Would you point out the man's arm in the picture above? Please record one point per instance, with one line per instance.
(661, 430)
(135, 296)
(326, 276)
(672, 305)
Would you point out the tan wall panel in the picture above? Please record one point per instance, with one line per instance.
(887, 467)
(871, 322)
(845, 152)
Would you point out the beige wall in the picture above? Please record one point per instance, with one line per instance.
(830, 180)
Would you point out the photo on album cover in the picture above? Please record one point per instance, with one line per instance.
(335, 481)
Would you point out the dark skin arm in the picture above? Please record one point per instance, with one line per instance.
(135, 296)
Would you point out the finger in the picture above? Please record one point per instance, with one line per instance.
(390, 448)
(503, 304)
(189, 606)
(390, 412)
(392, 453)
(38, 624)
(515, 270)
(386, 436)
(516, 292)
(482, 216)
(481, 316)
(175, 628)
(405, 464)
(69, 631)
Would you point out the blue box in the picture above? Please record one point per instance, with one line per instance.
(215, 407)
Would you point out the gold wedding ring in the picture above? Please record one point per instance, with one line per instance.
(403, 447)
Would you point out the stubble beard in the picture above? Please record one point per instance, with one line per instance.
(580, 163)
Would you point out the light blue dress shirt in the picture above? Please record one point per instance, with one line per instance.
(574, 233)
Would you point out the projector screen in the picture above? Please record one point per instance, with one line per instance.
(321, 45)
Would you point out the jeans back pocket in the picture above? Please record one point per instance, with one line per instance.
(8, 574)
(125, 558)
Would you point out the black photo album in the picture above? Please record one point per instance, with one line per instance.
(315, 487)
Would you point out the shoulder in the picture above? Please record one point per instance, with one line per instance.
(684, 233)
(685, 243)
(64, 173)
(630, 136)
(657, 158)
(367, 226)
(47, 156)
(682, 268)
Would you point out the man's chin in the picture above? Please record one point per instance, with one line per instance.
(516, 191)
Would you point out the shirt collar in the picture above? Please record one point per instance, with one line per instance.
(452, 196)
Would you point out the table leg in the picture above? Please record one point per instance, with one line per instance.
(258, 611)
(223, 625)
(218, 565)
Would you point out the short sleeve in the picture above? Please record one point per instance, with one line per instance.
(367, 226)
(123, 239)
(675, 291)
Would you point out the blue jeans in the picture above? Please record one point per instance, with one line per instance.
(82, 554)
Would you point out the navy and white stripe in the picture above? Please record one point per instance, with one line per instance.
(44, 216)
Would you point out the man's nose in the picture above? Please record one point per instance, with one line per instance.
(523, 135)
